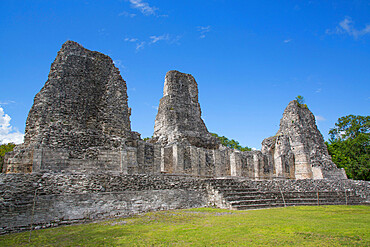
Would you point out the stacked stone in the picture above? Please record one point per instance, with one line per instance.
(83, 103)
(298, 149)
(81, 109)
(52, 199)
(80, 122)
(179, 114)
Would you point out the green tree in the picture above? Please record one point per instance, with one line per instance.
(231, 143)
(4, 149)
(349, 146)
(147, 138)
(300, 101)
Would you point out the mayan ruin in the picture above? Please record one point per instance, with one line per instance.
(79, 147)
(80, 121)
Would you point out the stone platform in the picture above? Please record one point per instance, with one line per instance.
(67, 198)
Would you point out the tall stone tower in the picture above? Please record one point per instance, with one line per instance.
(81, 109)
(179, 114)
(298, 149)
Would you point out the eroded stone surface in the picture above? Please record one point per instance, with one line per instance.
(179, 114)
(83, 103)
(82, 108)
(80, 123)
(65, 198)
(299, 145)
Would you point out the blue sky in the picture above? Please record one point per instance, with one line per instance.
(250, 58)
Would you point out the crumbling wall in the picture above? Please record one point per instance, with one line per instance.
(80, 122)
(80, 113)
(179, 114)
(298, 149)
(66, 198)
(70, 198)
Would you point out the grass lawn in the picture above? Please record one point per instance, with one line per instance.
(291, 226)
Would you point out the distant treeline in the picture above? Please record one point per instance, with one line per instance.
(231, 143)
(349, 146)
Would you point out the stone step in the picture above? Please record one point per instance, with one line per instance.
(246, 196)
(256, 198)
(234, 190)
(286, 194)
(256, 206)
(269, 201)
(293, 201)
(277, 194)
(247, 202)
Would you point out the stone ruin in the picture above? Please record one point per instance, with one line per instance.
(298, 149)
(81, 162)
(80, 122)
(179, 114)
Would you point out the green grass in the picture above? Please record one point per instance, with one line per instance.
(291, 226)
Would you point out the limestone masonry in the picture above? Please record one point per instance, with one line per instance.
(80, 122)
(298, 149)
(179, 115)
(80, 160)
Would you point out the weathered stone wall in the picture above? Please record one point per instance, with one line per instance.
(223, 162)
(179, 114)
(250, 164)
(298, 149)
(83, 104)
(71, 198)
(81, 110)
(142, 158)
(358, 187)
(243, 194)
(80, 122)
(149, 158)
(65, 198)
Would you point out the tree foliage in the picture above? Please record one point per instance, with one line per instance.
(4, 149)
(300, 101)
(349, 146)
(147, 138)
(231, 143)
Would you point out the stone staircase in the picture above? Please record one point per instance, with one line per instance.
(233, 194)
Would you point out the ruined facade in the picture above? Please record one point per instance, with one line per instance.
(298, 149)
(179, 114)
(80, 119)
(80, 122)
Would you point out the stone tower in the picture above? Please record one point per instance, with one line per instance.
(179, 114)
(298, 149)
(83, 102)
(81, 109)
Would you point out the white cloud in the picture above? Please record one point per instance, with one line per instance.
(140, 46)
(7, 132)
(320, 118)
(203, 30)
(155, 39)
(127, 14)
(7, 102)
(130, 39)
(143, 7)
(254, 149)
(176, 40)
(318, 90)
(346, 27)
(287, 40)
